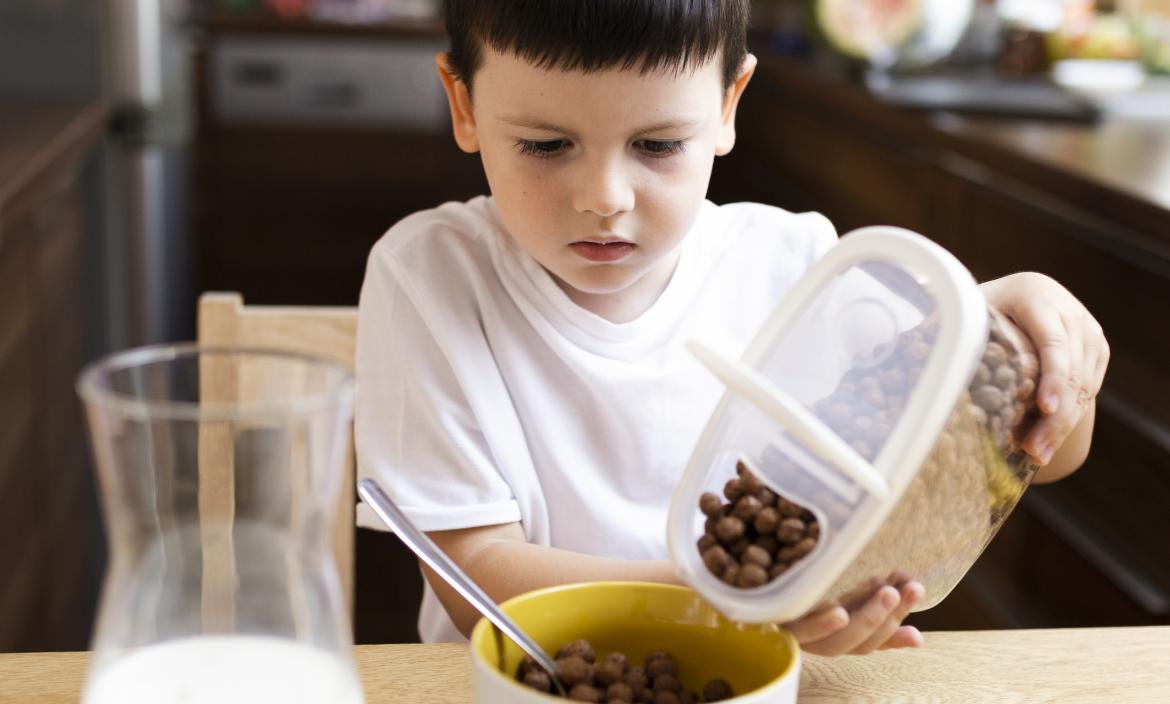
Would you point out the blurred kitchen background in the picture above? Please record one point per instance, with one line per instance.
(154, 149)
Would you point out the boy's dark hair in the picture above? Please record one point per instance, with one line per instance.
(589, 35)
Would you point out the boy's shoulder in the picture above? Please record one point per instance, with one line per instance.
(448, 227)
(757, 225)
(441, 259)
(441, 254)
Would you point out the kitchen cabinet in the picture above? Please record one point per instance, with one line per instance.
(288, 205)
(49, 549)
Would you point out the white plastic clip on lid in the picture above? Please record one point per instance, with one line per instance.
(884, 300)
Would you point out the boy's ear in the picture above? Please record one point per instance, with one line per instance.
(459, 100)
(726, 138)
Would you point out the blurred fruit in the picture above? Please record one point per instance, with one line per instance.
(1104, 37)
(861, 28)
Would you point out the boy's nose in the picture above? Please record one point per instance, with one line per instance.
(604, 190)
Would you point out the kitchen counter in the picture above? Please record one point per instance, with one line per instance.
(1117, 170)
(1121, 157)
(1068, 666)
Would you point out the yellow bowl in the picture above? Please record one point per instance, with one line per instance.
(762, 663)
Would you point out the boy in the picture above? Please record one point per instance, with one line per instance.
(524, 394)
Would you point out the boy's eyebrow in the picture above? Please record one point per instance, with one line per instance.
(668, 125)
(535, 124)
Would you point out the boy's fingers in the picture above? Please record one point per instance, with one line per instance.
(904, 637)
(856, 597)
(911, 594)
(1052, 430)
(1096, 354)
(1048, 434)
(862, 624)
(816, 626)
(1099, 367)
(1045, 327)
(898, 579)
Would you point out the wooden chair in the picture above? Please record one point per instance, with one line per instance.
(223, 319)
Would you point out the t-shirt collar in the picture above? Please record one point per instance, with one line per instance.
(589, 330)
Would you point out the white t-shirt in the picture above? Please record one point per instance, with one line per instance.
(486, 396)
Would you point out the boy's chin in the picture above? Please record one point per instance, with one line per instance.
(600, 286)
(593, 287)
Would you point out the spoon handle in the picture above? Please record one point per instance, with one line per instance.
(428, 552)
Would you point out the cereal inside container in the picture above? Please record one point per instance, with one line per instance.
(869, 434)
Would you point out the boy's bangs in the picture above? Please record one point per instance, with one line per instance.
(591, 35)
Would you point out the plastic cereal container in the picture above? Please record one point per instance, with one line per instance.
(868, 435)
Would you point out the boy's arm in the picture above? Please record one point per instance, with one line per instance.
(1073, 357)
(504, 565)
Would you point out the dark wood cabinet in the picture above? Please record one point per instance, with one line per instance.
(289, 215)
(287, 210)
(1004, 196)
(48, 548)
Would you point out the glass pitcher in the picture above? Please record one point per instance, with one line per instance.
(219, 471)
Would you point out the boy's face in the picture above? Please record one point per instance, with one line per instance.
(598, 176)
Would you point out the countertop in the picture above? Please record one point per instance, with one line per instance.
(1069, 666)
(1117, 170)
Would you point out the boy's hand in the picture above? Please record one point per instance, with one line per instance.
(868, 619)
(1072, 349)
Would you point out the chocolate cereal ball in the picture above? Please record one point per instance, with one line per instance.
(619, 691)
(612, 680)
(574, 670)
(585, 693)
(538, 679)
(610, 670)
(636, 678)
(717, 690)
(664, 665)
(750, 540)
(578, 647)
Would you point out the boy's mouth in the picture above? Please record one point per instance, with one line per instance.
(603, 250)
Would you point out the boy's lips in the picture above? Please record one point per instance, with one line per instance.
(603, 249)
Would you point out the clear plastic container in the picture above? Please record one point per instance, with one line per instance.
(869, 435)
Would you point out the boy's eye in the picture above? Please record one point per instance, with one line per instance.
(660, 148)
(542, 148)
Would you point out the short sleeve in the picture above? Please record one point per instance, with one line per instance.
(415, 431)
(821, 233)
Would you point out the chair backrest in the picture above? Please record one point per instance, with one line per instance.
(327, 332)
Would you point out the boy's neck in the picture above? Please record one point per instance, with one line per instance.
(630, 303)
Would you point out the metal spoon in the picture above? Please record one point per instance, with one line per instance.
(428, 552)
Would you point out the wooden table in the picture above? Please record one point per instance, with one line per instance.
(1066, 666)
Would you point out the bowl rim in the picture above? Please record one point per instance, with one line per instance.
(481, 631)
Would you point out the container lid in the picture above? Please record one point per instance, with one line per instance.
(834, 406)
